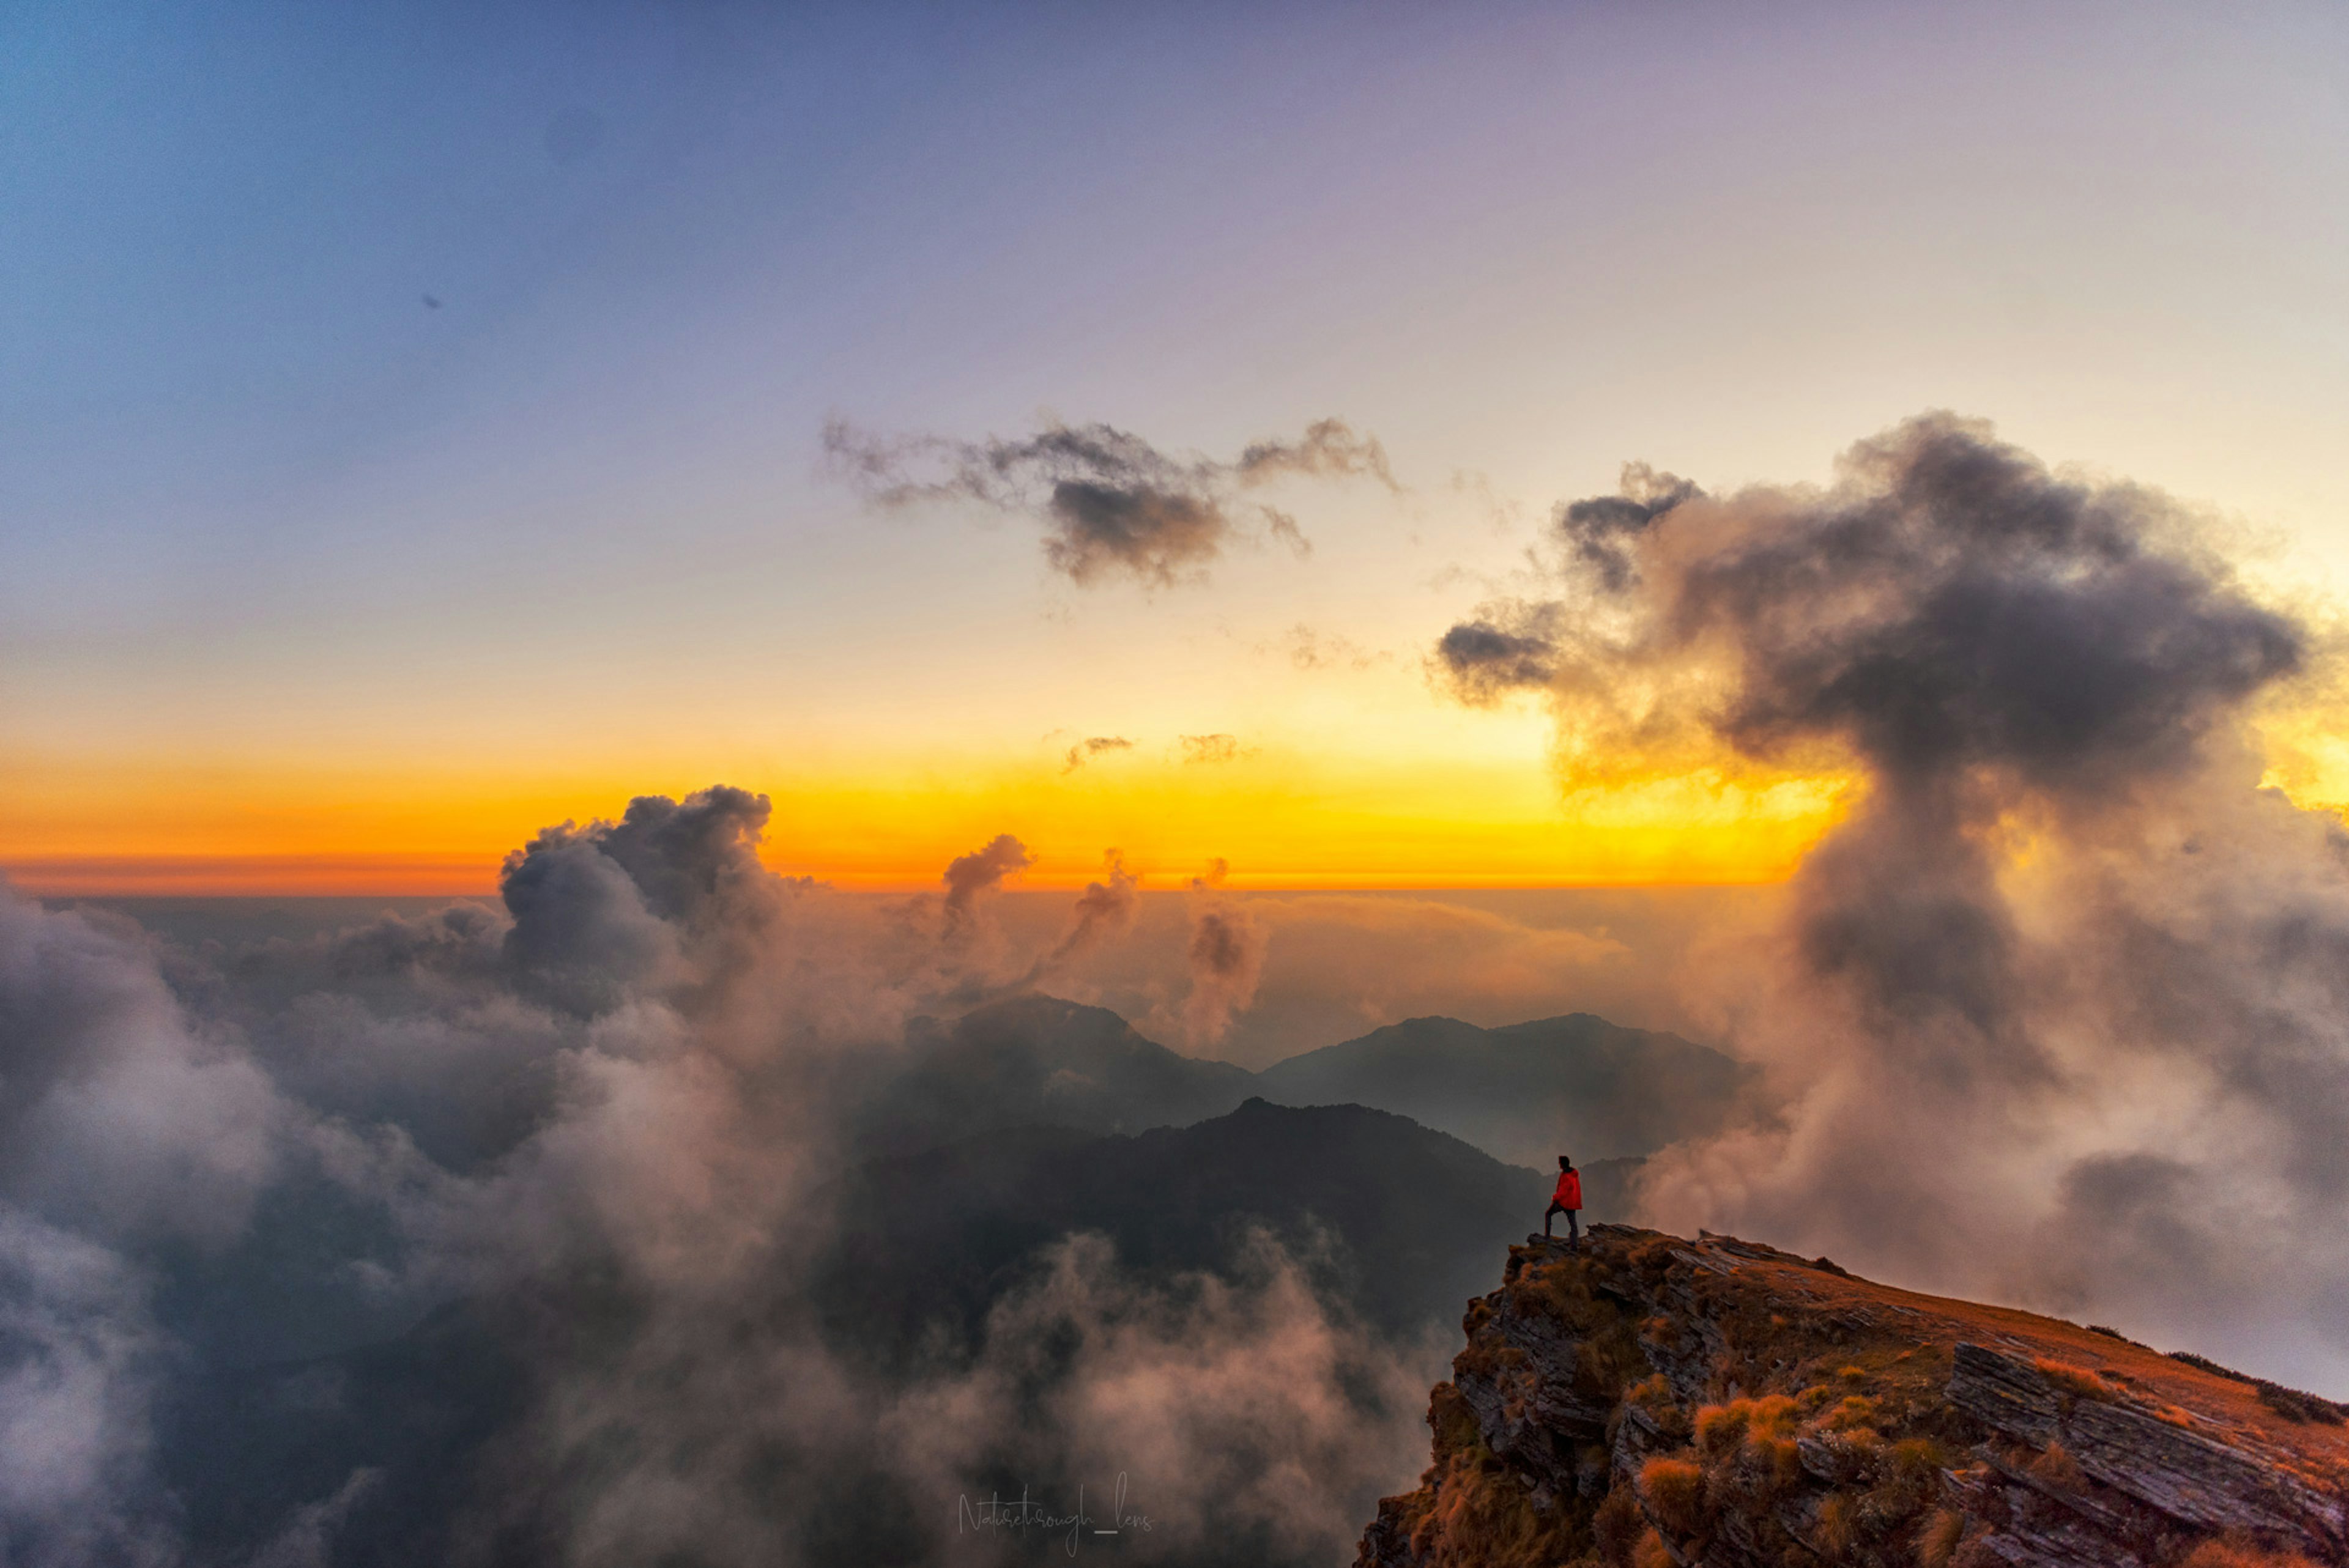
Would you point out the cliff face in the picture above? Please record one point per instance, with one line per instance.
(1650, 1402)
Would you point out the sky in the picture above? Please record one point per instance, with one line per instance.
(412, 422)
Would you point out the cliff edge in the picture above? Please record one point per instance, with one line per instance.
(1650, 1402)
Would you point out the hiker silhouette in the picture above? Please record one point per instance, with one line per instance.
(1567, 1200)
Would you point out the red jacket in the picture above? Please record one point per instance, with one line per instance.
(1570, 1190)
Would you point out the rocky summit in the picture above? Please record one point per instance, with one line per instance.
(1653, 1402)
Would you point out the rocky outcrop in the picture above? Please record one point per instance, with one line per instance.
(1648, 1401)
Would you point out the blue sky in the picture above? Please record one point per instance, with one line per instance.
(279, 525)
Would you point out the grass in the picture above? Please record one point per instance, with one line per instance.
(2077, 1381)
(2297, 1406)
(1794, 1361)
(2227, 1552)
(1674, 1491)
(2059, 1469)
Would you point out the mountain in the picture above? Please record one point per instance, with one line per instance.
(432, 1431)
(1037, 1060)
(1527, 1093)
(1523, 1094)
(1651, 1400)
(1395, 1220)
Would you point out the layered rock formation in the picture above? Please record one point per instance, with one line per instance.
(1650, 1402)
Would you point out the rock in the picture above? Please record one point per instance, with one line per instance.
(1813, 1417)
(2186, 1477)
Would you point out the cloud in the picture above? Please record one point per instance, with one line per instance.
(1509, 646)
(128, 1137)
(1329, 448)
(306, 1539)
(1103, 908)
(1249, 1421)
(81, 1362)
(602, 909)
(601, 1126)
(971, 877)
(118, 1118)
(1210, 749)
(1311, 650)
(1085, 750)
(1112, 504)
(1226, 951)
(1601, 532)
(2065, 956)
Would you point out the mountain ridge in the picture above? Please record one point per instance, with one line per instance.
(1650, 1400)
(1521, 1092)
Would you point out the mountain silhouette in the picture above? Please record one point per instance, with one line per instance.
(1523, 1094)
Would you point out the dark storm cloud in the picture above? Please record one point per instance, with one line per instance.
(2009, 957)
(1111, 504)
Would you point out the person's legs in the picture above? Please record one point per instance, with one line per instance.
(1574, 1226)
(1553, 1208)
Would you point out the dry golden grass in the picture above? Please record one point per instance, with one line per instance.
(2077, 1381)
(1851, 1413)
(1650, 1552)
(1938, 1542)
(1653, 1390)
(1674, 1491)
(1838, 1529)
(2058, 1469)
(2228, 1553)
(1618, 1525)
(1858, 1368)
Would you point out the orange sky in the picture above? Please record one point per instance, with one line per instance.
(1281, 821)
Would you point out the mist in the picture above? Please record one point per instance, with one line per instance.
(587, 1141)
(2057, 1013)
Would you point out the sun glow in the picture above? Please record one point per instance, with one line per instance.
(1282, 820)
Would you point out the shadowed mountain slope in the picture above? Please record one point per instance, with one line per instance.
(1393, 1219)
(433, 1434)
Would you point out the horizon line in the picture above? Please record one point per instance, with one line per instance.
(50, 877)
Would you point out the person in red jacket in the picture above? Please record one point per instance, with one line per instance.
(1567, 1200)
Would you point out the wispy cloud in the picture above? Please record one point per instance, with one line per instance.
(1112, 505)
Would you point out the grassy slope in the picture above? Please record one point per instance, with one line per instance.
(1805, 1355)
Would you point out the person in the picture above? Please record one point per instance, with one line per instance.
(1568, 1200)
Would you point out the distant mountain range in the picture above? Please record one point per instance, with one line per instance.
(1394, 1224)
(987, 1141)
(1523, 1094)
(1529, 1092)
